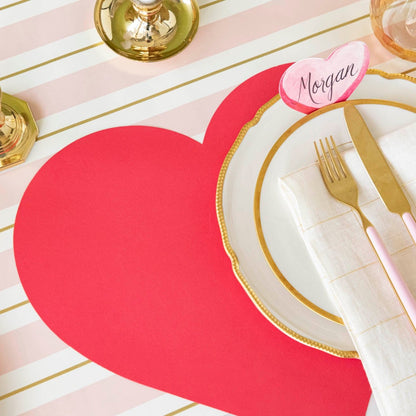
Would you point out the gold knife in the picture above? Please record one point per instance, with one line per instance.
(378, 169)
(393, 197)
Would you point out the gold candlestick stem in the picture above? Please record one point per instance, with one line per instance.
(148, 13)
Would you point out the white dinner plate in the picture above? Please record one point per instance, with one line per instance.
(285, 285)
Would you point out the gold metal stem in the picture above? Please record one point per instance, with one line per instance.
(148, 13)
(365, 221)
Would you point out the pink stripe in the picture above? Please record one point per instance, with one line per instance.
(15, 182)
(378, 54)
(56, 24)
(104, 398)
(26, 345)
(197, 113)
(43, 342)
(119, 73)
(9, 276)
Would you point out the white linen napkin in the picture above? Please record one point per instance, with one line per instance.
(382, 333)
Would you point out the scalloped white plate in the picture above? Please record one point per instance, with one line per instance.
(236, 195)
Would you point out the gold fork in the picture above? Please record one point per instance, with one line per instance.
(342, 186)
(338, 179)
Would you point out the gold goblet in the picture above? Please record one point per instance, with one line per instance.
(147, 30)
(394, 24)
(18, 130)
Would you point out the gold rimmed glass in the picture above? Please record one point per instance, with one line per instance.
(394, 24)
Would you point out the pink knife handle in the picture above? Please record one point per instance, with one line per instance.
(407, 299)
(410, 224)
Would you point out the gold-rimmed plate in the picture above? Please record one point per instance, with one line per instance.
(275, 143)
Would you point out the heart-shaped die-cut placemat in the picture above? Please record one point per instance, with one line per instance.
(118, 248)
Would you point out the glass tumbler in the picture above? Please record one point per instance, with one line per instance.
(394, 24)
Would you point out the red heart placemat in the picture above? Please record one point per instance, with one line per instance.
(118, 248)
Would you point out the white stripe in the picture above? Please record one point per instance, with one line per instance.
(202, 411)
(29, 9)
(158, 406)
(38, 370)
(58, 69)
(212, 63)
(53, 389)
(198, 137)
(227, 9)
(203, 2)
(77, 379)
(8, 215)
(88, 58)
(188, 93)
(50, 51)
(168, 403)
(11, 296)
(395, 65)
(11, 2)
(17, 318)
(6, 240)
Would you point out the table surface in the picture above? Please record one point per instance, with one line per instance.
(52, 57)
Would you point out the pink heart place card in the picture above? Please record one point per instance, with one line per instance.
(313, 83)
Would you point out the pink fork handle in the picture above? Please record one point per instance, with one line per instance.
(407, 299)
(410, 224)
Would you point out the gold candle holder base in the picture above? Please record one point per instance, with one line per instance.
(146, 30)
(18, 130)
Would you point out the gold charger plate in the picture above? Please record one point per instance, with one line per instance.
(287, 306)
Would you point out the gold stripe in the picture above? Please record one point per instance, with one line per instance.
(182, 409)
(6, 228)
(202, 77)
(211, 4)
(94, 45)
(10, 308)
(66, 55)
(348, 354)
(288, 331)
(13, 4)
(44, 380)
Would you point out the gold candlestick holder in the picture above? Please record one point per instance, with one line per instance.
(18, 130)
(147, 30)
